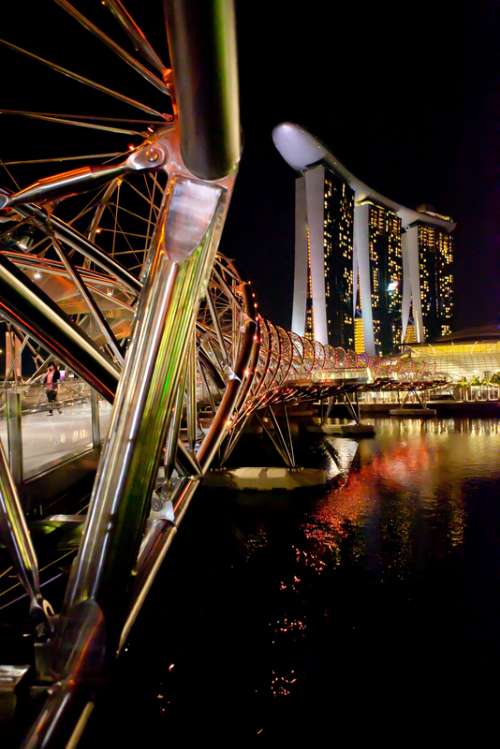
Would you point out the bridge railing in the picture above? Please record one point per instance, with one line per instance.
(34, 399)
(38, 434)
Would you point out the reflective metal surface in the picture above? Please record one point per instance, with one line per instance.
(119, 51)
(143, 405)
(136, 34)
(16, 537)
(35, 313)
(202, 41)
(175, 271)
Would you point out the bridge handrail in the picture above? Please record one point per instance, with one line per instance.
(33, 397)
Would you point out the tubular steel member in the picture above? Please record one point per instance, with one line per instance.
(146, 394)
(80, 642)
(30, 309)
(160, 536)
(69, 183)
(135, 33)
(234, 390)
(156, 544)
(119, 51)
(236, 387)
(93, 307)
(16, 537)
(14, 435)
(77, 241)
(161, 532)
(81, 79)
(181, 260)
(203, 52)
(113, 571)
(202, 43)
(143, 408)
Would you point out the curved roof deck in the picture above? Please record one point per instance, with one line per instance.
(300, 149)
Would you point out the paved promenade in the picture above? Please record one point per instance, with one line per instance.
(48, 439)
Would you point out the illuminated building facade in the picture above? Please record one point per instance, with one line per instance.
(429, 260)
(323, 285)
(410, 335)
(338, 226)
(378, 254)
(359, 336)
(469, 354)
(354, 244)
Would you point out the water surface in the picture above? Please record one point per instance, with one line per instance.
(365, 613)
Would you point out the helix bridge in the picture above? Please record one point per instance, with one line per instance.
(113, 267)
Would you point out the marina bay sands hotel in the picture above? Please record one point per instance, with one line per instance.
(370, 273)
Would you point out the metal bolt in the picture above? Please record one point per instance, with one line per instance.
(152, 155)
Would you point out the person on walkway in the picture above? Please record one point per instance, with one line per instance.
(51, 382)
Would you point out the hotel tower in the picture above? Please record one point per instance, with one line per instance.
(369, 272)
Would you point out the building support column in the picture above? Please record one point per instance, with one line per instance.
(411, 282)
(301, 261)
(315, 190)
(362, 253)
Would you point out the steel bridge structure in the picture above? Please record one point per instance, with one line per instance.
(113, 268)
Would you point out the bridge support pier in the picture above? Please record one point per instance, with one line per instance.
(353, 408)
(354, 429)
(280, 437)
(413, 410)
(265, 479)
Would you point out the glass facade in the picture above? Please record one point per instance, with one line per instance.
(386, 277)
(309, 325)
(411, 335)
(338, 220)
(445, 274)
(461, 360)
(435, 259)
(359, 335)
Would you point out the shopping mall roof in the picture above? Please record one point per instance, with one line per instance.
(470, 335)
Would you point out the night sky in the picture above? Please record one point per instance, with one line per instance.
(403, 95)
(404, 98)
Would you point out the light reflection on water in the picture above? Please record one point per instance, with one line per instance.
(415, 469)
(377, 598)
(399, 521)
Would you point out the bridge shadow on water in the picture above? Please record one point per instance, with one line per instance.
(365, 612)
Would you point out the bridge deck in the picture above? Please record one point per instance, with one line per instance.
(49, 439)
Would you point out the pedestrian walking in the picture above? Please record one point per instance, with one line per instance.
(51, 382)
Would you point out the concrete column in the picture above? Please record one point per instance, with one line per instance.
(315, 191)
(362, 252)
(411, 282)
(300, 275)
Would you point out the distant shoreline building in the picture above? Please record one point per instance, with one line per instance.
(467, 354)
(361, 256)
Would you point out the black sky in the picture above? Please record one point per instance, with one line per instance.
(405, 99)
(403, 94)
